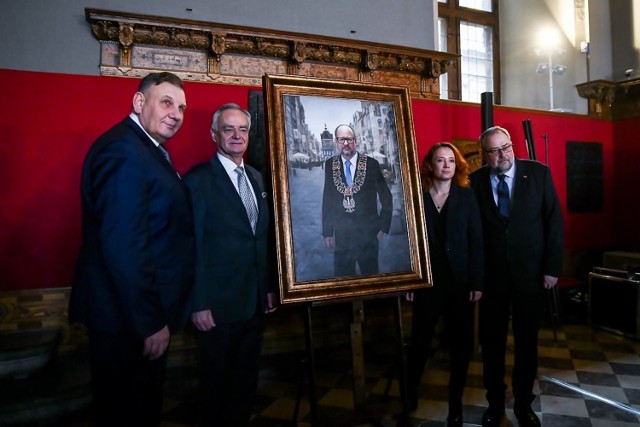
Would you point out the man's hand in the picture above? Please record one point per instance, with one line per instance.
(328, 242)
(156, 344)
(550, 281)
(272, 303)
(203, 320)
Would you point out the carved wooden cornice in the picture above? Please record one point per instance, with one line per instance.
(133, 45)
(612, 100)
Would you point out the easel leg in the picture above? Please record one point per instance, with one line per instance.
(313, 403)
(403, 418)
(359, 397)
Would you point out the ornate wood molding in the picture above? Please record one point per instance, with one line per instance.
(133, 45)
(612, 100)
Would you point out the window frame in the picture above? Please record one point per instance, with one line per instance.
(454, 14)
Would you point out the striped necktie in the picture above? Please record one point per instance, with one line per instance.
(247, 198)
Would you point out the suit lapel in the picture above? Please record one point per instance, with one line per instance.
(151, 146)
(487, 192)
(227, 189)
(521, 185)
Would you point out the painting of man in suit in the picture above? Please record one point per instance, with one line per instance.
(352, 224)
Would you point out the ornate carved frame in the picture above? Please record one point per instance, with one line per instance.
(132, 45)
(408, 207)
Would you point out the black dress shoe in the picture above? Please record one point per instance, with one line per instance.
(492, 417)
(526, 417)
(454, 419)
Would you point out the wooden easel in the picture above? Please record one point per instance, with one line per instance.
(361, 411)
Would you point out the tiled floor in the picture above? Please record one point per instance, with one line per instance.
(594, 361)
(583, 368)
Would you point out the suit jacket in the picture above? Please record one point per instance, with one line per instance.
(135, 270)
(234, 269)
(530, 243)
(463, 244)
(366, 217)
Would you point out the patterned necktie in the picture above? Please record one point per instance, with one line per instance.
(165, 153)
(347, 172)
(247, 198)
(503, 196)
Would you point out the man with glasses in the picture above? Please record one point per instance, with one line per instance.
(351, 222)
(523, 235)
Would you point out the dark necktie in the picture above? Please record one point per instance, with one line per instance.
(165, 153)
(503, 196)
(347, 173)
(247, 198)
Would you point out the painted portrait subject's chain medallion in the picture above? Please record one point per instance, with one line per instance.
(348, 202)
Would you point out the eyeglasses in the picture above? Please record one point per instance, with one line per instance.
(345, 140)
(506, 148)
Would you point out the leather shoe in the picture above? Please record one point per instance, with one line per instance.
(526, 417)
(492, 417)
(454, 419)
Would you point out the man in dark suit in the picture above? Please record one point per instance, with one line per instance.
(135, 269)
(351, 223)
(234, 271)
(523, 235)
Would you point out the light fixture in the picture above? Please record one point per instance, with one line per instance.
(559, 69)
(542, 68)
(548, 67)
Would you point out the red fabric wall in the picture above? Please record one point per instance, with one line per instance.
(626, 148)
(50, 120)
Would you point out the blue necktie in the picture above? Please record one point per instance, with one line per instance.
(247, 198)
(503, 196)
(347, 172)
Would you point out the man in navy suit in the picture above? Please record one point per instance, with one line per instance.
(351, 223)
(135, 269)
(234, 271)
(523, 235)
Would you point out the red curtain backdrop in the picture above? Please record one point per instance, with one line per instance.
(50, 120)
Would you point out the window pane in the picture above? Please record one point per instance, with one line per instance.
(476, 4)
(477, 60)
(442, 47)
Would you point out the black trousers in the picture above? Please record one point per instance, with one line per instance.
(355, 247)
(457, 312)
(127, 387)
(526, 310)
(228, 359)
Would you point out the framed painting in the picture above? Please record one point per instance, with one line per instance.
(347, 198)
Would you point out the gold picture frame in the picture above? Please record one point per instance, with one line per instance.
(302, 113)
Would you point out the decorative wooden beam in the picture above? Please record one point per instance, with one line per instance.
(133, 45)
(612, 100)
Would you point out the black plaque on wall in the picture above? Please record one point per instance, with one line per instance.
(585, 181)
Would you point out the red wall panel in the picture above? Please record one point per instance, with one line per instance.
(50, 120)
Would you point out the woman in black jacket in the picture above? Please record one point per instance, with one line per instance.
(456, 253)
